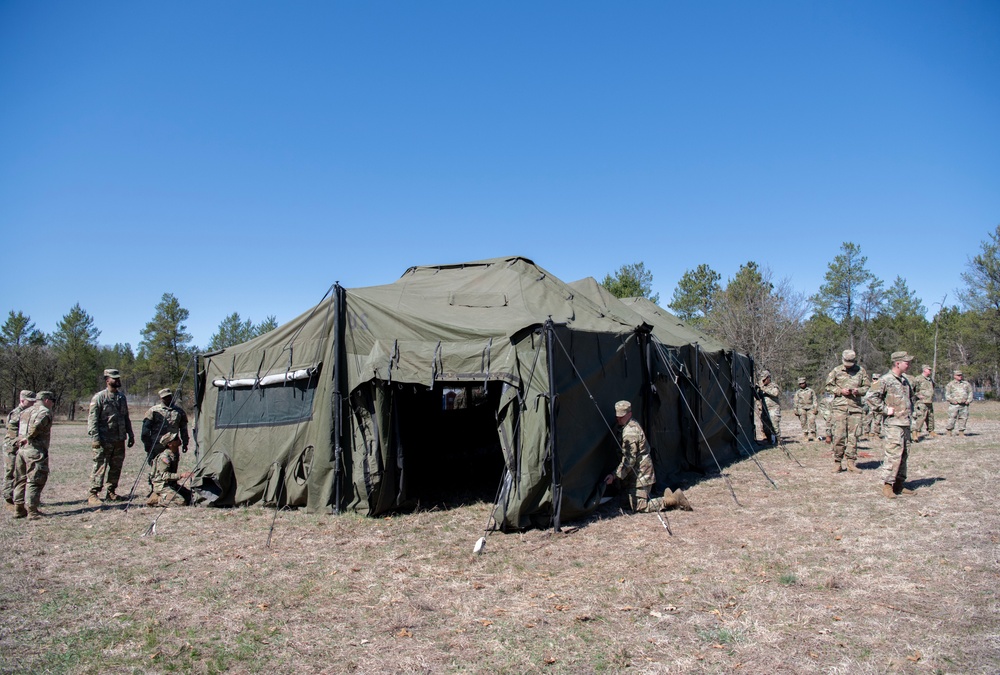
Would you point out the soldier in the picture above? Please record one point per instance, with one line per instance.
(958, 393)
(108, 425)
(848, 383)
(635, 472)
(876, 428)
(32, 469)
(923, 412)
(27, 399)
(871, 423)
(162, 418)
(892, 396)
(768, 394)
(167, 491)
(805, 409)
(825, 409)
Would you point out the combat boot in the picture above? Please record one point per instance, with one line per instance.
(947, 432)
(837, 468)
(852, 467)
(94, 500)
(887, 491)
(112, 497)
(931, 434)
(681, 501)
(961, 433)
(899, 489)
(34, 513)
(20, 511)
(154, 499)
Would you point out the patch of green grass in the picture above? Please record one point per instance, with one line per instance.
(788, 579)
(719, 636)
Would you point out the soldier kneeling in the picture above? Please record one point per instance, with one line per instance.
(167, 488)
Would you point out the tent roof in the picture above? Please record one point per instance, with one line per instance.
(665, 321)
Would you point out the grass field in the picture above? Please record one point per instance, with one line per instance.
(819, 575)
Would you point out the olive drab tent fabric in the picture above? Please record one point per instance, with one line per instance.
(701, 411)
(490, 373)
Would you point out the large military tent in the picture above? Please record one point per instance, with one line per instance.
(492, 372)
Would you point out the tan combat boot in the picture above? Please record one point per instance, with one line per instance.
(34, 513)
(947, 432)
(20, 511)
(887, 491)
(681, 501)
(93, 500)
(899, 489)
(931, 434)
(154, 499)
(837, 468)
(112, 497)
(961, 433)
(852, 467)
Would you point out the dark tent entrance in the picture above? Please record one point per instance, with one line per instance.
(449, 447)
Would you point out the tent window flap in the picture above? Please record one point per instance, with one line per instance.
(266, 406)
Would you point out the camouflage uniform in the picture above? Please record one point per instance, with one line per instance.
(32, 468)
(635, 471)
(958, 393)
(806, 405)
(770, 395)
(166, 489)
(163, 419)
(108, 425)
(923, 411)
(846, 412)
(871, 423)
(10, 444)
(892, 391)
(825, 409)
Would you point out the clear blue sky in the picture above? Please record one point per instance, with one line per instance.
(245, 155)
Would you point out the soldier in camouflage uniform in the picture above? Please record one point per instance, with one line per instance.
(163, 418)
(167, 490)
(767, 395)
(109, 426)
(892, 396)
(923, 412)
(958, 393)
(32, 469)
(806, 405)
(635, 472)
(27, 399)
(848, 383)
(871, 423)
(825, 409)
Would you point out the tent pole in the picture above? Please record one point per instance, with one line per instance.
(556, 486)
(338, 345)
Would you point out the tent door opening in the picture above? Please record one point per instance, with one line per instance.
(451, 448)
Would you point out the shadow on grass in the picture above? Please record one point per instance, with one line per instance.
(924, 482)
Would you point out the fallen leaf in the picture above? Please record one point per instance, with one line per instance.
(42, 590)
(837, 538)
(718, 646)
(581, 618)
(837, 618)
(550, 660)
(403, 632)
(915, 657)
(263, 606)
(486, 622)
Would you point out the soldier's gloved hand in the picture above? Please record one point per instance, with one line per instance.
(131, 441)
(96, 445)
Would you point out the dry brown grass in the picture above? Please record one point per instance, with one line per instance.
(822, 575)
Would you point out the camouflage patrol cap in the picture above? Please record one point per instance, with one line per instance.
(165, 393)
(958, 372)
(764, 374)
(112, 372)
(169, 437)
(802, 380)
(925, 367)
(900, 356)
(43, 395)
(622, 408)
(27, 395)
(849, 357)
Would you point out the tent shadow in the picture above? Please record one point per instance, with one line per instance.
(874, 464)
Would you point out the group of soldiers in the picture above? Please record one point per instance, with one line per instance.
(895, 406)
(28, 433)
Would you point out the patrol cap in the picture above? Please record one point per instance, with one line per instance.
(622, 408)
(802, 380)
(900, 356)
(849, 357)
(169, 437)
(42, 395)
(112, 372)
(764, 374)
(925, 367)
(28, 395)
(876, 376)
(958, 372)
(165, 393)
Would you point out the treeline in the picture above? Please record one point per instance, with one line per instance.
(798, 335)
(70, 361)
